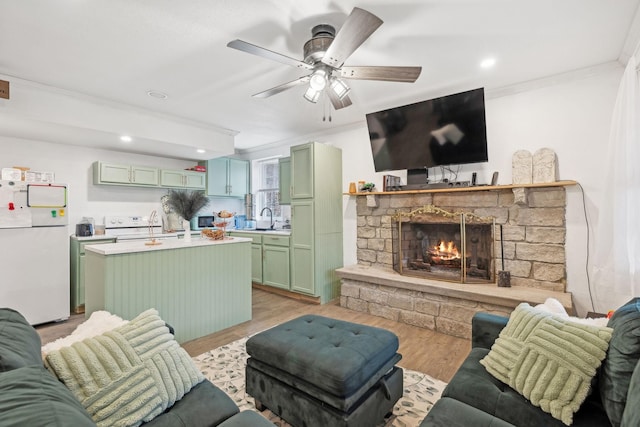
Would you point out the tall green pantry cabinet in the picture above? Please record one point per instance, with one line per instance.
(316, 220)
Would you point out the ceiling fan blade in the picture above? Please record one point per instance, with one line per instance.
(266, 53)
(336, 101)
(389, 74)
(359, 25)
(275, 90)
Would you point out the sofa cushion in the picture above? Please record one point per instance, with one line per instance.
(205, 405)
(31, 396)
(20, 342)
(548, 359)
(247, 419)
(622, 358)
(127, 375)
(473, 385)
(449, 412)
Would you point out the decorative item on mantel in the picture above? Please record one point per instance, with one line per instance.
(187, 203)
(521, 173)
(368, 187)
(545, 166)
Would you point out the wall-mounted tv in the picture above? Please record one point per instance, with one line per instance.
(450, 130)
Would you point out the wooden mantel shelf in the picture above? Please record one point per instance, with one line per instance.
(476, 188)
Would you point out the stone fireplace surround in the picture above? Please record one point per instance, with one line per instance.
(534, 252)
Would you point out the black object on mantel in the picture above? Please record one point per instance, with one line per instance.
(436, 185)
(504, 277)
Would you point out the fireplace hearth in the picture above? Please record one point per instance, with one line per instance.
(452, 246)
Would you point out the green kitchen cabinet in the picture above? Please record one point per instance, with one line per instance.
(316, 220)
(302, 246)
(302, 171)
(256, 253)
(275, 261)
(227, 177)
(183, 179)
(76, 262)
(284, 178)
(270, 258)
(256, 263)
(117, 174)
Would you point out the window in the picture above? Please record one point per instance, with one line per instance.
(267, 185)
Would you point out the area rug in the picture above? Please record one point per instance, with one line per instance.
(225, 367)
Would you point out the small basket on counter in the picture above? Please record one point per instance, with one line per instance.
(213, 234)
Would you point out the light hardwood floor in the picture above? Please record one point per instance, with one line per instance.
(423, 350)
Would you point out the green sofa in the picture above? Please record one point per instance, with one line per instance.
(475, 398)
(31, 396)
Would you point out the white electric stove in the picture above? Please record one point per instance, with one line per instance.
(134, 228)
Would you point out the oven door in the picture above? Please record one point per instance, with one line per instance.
(204, 222)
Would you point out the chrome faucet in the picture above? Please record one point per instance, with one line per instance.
(270, 216)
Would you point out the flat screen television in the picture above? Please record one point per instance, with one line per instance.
(450, 130)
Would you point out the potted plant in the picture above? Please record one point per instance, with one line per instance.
(187, 203)
(368, 187)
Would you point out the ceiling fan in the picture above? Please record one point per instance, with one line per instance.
(324, 56)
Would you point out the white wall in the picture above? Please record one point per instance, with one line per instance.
(72, 165)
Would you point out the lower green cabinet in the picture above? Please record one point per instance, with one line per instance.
(256, 263)
(76, 263)
(269, 258)
(275, 261)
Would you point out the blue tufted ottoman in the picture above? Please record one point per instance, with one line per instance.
(317, 371)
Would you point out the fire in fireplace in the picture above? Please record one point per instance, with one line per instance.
(452, 246)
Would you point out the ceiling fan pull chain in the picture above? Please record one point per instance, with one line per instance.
(324, 107)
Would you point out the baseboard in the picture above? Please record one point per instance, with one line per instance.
(288, 294)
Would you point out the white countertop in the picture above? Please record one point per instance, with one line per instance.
(94, 237)
(254, 231)
(134, 246)
(175, 234)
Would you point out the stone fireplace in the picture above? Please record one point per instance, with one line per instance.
(434, 243)
(406, 271)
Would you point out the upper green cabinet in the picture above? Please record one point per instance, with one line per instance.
(302, 176)
(146, 176)
(227, 177)
(284, 178)
(183, 179)
(116, 174)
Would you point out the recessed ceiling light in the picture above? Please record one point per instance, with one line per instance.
(126, 138)
(200, 150)
(488, 62)
(157, 94)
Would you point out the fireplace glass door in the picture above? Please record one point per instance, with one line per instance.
(435, 244)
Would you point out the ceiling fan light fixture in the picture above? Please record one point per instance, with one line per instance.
(318, 80)
(339, 87)
(312, 95)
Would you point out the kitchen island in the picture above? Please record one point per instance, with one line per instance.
(198, 287)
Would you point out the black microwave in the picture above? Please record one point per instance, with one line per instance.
(202, 222)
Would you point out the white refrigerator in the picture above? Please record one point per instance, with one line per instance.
(34, 261)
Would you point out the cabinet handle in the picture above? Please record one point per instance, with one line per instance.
(230, 188)
(133, 176)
